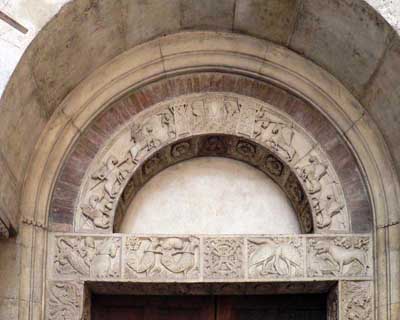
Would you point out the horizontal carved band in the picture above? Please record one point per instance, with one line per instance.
(210, 258)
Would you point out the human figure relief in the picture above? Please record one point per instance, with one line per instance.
(94, 211)
(167, 120)
(312, 173)
(325, 209)
(112, 175)
(144, 141)
(106, 252)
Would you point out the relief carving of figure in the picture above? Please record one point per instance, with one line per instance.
(169, 256)
(325, 209)
(144, 140)
(180, 255)
(312, 173)
(96, 213)
(358, 301)
(111, 175)
(86, 256)
(103, 261)
(277, 136)
(63, 301)
(333, 257)
(74, 256)
(168, 122)
(272, 257)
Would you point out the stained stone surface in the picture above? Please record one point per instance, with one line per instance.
(211, 195)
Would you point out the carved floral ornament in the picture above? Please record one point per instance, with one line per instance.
(199, 125)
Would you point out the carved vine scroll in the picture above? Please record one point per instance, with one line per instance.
(198, 125)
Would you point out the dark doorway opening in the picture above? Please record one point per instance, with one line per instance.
(238, 307)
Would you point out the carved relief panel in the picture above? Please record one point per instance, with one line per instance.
(223, 258)
(356, 301)
(86, 257)
(276, 257)
(161, 257)
(217, 258)
(64, 300)
(312, 186)
(339, 257)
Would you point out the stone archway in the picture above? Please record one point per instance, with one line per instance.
(67, 155)
(206, 124)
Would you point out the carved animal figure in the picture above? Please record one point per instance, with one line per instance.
(281, 140)
(340, 256)
(179, 255)
(144, 259)
(326, 209)
(312, 174)
(93, 211)
(274, 258)
(72, 254)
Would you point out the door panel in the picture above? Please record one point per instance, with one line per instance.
(295, 307)
(285, 307)
(153, 307)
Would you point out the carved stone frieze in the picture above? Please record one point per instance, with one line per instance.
(356, 300)
(339, 257)
(197, 125)
(275, 257)
(64, 300)
(87, 257)
(162, 257)
(223, 258)
(210, 258)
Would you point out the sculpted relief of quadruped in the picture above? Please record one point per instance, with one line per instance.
(162, 258)
(87, 257)
(139, 145)
(339, 257)
(275, 257)
(223, 258)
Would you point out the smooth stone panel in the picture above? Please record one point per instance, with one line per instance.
(211, 196)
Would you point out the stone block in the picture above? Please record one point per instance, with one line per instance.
(207, 14)
(273, 20)
(382, 99)
(342, 38)
(146, 20)
(89, 29)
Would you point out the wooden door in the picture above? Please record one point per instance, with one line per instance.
(153, 308)
(289, 307)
